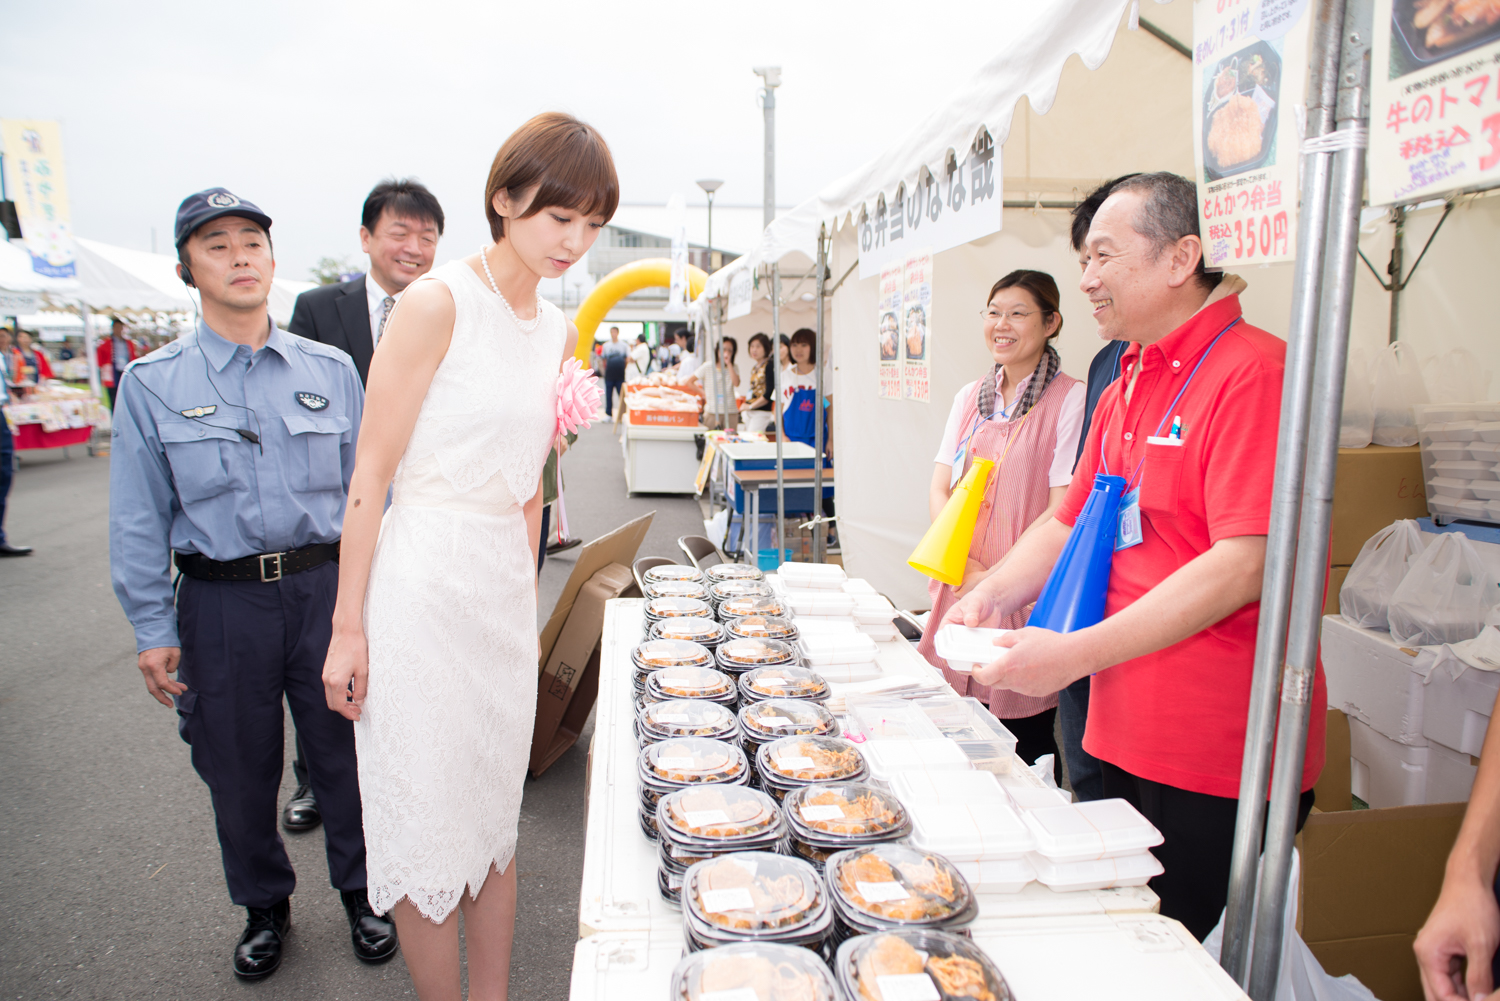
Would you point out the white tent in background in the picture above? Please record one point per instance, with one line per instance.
(18, 280)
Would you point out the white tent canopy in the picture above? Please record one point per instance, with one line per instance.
(16, 274)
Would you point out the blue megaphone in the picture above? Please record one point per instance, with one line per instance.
(1073, 597)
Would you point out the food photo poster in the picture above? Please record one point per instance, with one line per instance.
(1434, 98)
(888, 331)
(916, 327)
(1249, 78)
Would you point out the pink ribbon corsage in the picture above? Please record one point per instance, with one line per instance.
(578, 397)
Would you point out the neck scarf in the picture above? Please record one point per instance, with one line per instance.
(1046, 371)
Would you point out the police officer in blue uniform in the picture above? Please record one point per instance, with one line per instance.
(233, 448)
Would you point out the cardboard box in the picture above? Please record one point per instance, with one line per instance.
(1336, 577)
(1369, 880)
(1372, 487)
(569, 682)
(1332, 793)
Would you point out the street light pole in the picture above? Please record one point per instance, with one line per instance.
(709, 186)
(771, 76)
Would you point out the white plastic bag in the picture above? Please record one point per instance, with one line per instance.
(1398, 387)
(1365, 598)
(1445, 595)
(1456, 376)
(1357, 426)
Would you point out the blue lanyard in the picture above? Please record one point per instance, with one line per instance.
(981, 419)
(1171, 408)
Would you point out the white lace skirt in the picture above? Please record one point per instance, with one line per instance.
(445, 734)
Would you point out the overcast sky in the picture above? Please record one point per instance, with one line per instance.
(301, 107)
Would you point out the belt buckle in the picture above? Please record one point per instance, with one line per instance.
(277, 570)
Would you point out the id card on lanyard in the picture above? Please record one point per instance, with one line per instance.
(960, 458)
(1130, 532)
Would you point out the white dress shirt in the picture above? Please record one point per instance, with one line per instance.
(375, 295)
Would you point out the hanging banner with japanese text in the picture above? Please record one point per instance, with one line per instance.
(1434, 98)
(37, 182)
(937, 213)
(916, 327)
(888, 326)
(741, 288)
(1249, 78)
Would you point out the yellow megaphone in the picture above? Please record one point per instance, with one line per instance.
(943, 553)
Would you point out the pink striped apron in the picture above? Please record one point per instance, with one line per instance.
(1015, 496)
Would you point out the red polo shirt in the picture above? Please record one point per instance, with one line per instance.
(1177, 716)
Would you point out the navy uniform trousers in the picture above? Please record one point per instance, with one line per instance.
(245, 645)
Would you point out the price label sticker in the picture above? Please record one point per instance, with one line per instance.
(794, 762)
(908, 987)
(814, 813)
(770, 721)
(671, 717)
(675, 763)
(674, 681)
(719, 901)
(733, 994)
(882, 892)
(703, 818)
(772, 682)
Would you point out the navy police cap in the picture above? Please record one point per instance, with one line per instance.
(214, 203)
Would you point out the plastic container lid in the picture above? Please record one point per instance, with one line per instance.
(785, 681)
(884, 718)
(1100, 829)
(918, 788)
(827, 651)
(690, 683)
(744, 654)
(967, 647)
(670, 608)
(1448, 449)
(765, 721)
(858, 585)
(725, 589)
(1487, 431)
(671, 571)
(809, 759)
(725, 813)
(654, 654)
(1484, 451)
(821, 602)
(812, 574)
(699, 630)
(897, 884)
(1465, 469)
(753, 971)
(1096, 874)
(685, 761)
(733, 571)
(970, 832)
(753, 892)
(748, 604)
(1472, 508)
(825, 814)
(1451, 486)
(685, 718)
(912, 965)
(761, 627)
(875, 609)
(1036, 797)
(676, 589)
(1486, 489)
(997, 875)
(887, 757)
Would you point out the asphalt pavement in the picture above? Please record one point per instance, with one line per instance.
(109, 865)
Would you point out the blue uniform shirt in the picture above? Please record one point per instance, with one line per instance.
(190, 483)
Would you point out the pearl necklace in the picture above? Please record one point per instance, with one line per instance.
(525, 326)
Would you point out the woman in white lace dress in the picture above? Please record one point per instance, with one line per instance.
(434, 652)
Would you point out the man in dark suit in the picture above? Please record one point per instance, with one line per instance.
(399, 230)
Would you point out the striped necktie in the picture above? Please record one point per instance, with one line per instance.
(385, 314)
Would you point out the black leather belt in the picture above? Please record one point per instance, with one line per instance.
(267, 567)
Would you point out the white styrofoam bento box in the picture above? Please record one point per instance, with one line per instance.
(1375, 680)
(1458, 703)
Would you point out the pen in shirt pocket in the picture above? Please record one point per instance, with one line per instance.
(1176, 427)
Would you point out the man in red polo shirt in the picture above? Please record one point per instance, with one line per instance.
(1191, 425)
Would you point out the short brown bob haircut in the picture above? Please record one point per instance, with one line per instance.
(569, 161)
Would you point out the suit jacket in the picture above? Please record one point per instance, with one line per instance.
(1103, 370)
(338, 315)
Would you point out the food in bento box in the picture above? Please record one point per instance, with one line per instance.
(788, 718)
(929, 964)
(774, 901)
(734, 812)
(673, 607)
(691, 683)
(868, 812)
(787, 684)
(680, 761)
(733, 571)
(1235, 134)
(699, 630)
(761, 626)
(960, 977)
(742, 605)
(672, 653)
(753, 972)
(744, 653)
(908, 891)
(888, 956)
(815, 759)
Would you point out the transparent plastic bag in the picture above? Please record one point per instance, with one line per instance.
(1357, 425)
(1397, 388)
(1445, 595)
(1365, 598)
(1456, 376)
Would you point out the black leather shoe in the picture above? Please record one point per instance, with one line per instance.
(6, 549)
(259, 953)
(374, 937)
(564, 546)
(301, 811)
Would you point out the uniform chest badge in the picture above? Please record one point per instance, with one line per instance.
(313, 401)
(199, 411)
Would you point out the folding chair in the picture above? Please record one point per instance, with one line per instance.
(640, 566)
(700, 551)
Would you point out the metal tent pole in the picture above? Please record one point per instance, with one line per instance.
(1281, 543)
(1317, 500)
(780, 461)
(820, 531)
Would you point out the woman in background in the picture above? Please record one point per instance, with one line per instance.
(758, 411)
(1024, 415)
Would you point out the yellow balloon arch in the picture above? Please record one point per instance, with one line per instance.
(619, 283)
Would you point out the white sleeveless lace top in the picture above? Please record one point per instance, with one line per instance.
(491, 408)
